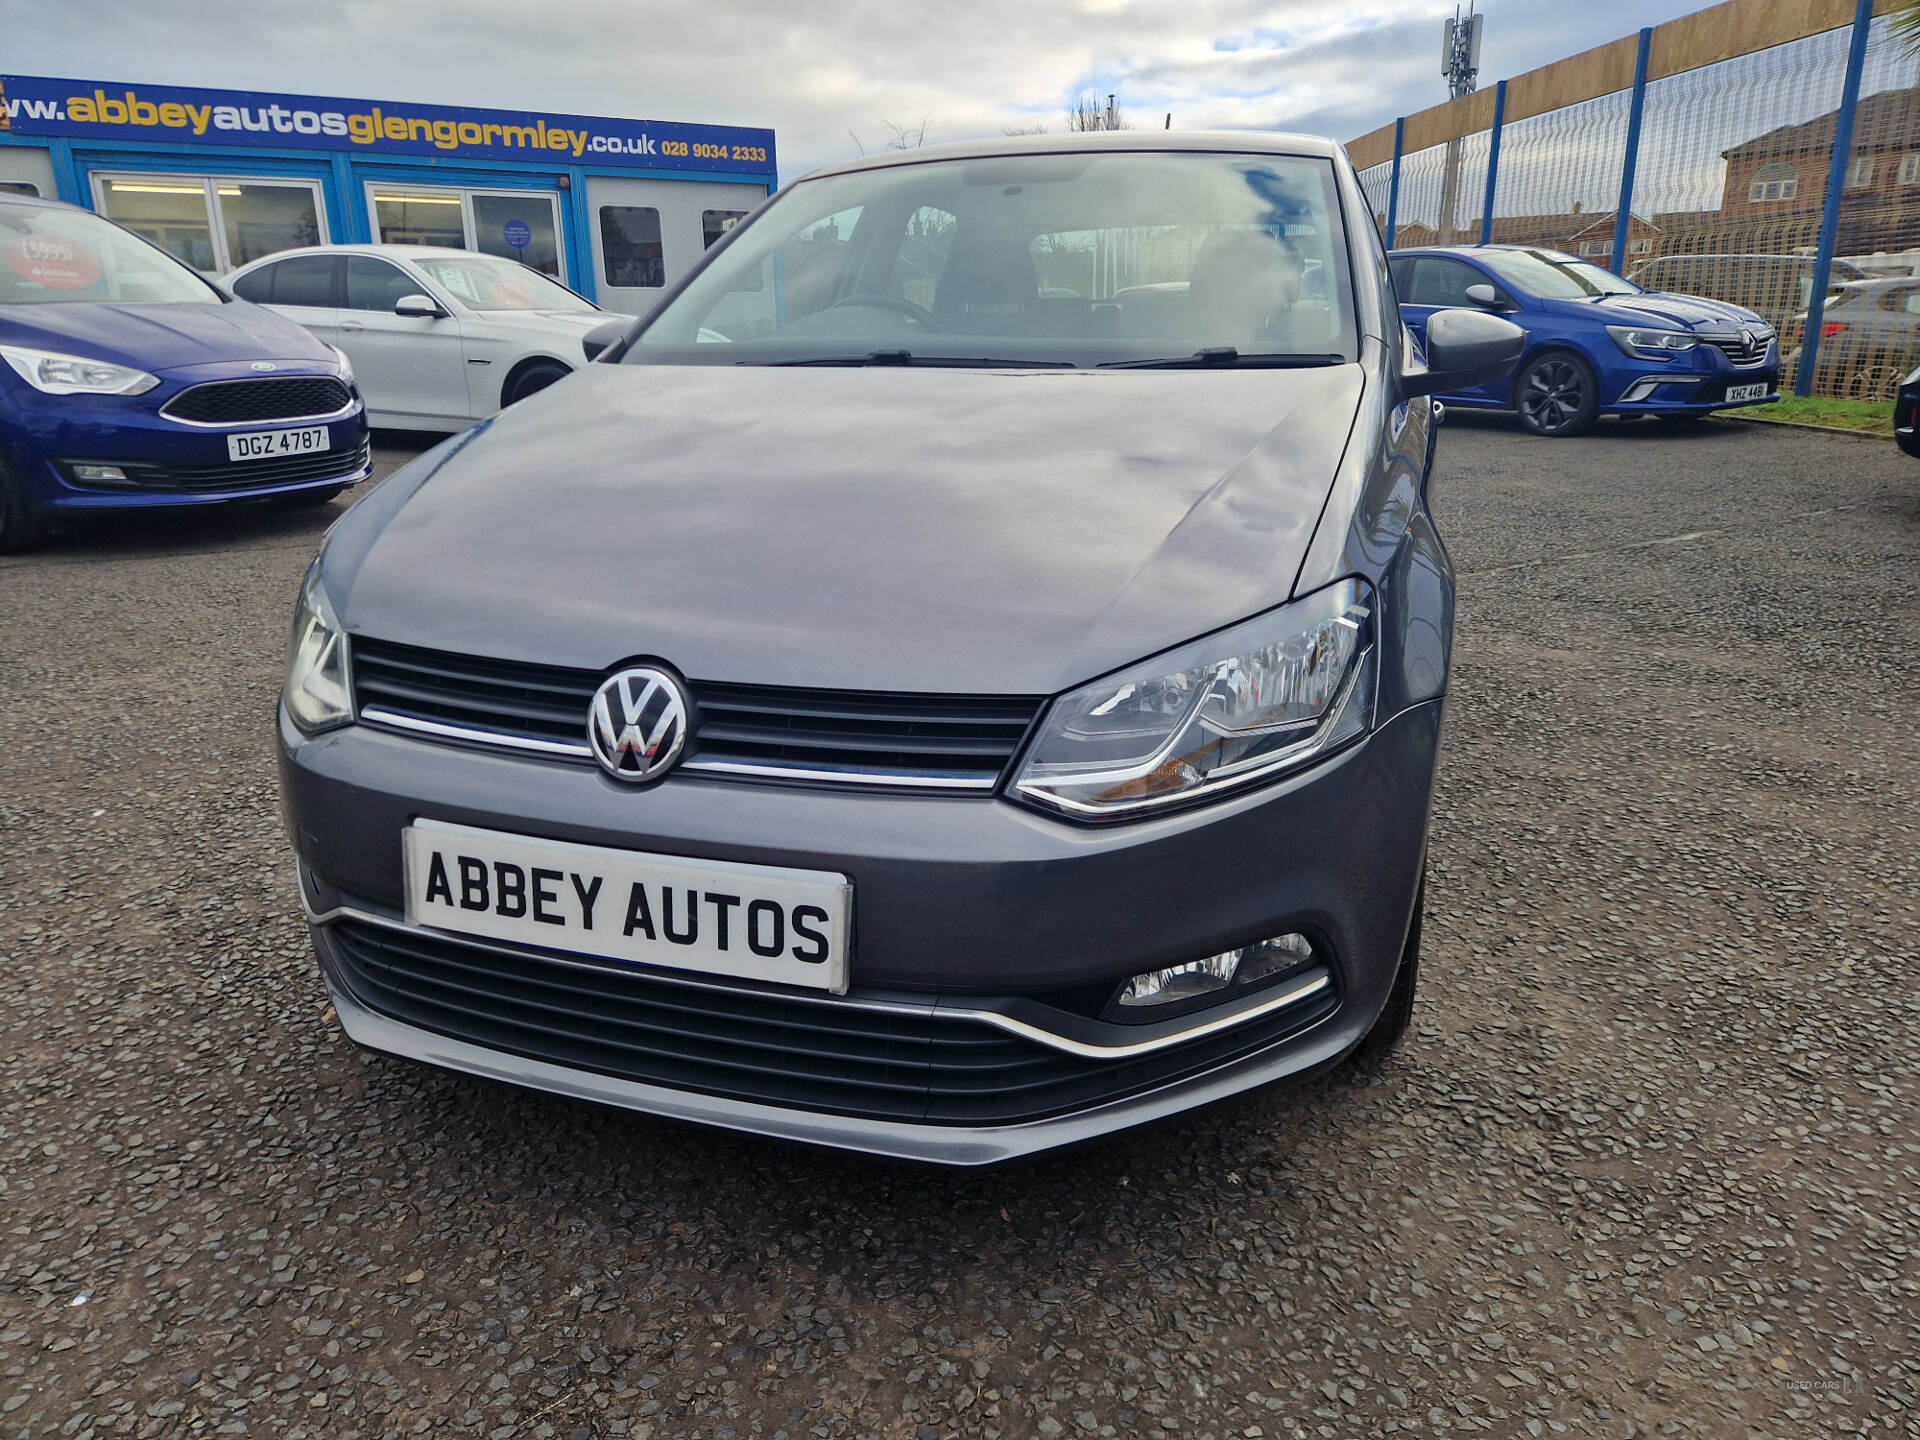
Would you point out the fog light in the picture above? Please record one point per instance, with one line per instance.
(1182, 982)
(1248, 965)
(99, 473)
(1272, 957)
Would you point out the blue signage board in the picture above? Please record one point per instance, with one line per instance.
(95, 110)
(517, 233)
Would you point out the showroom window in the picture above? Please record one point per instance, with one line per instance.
(715, 223)
(215, 223)
(521, 225)
(630, 250)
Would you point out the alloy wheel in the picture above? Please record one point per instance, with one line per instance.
(1554, 394)
(1874, 382)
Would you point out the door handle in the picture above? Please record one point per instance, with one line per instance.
(352, 325)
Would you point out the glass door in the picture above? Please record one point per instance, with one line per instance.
(215, 223)
(417, 217)
(521, 225)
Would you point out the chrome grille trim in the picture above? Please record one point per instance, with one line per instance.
(466, 734)
(1738, 351)
(340, 413)
(950, 744)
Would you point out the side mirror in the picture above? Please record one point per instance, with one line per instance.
(1485, 296)
(420, 307)
(1465, 348)
(597, 341)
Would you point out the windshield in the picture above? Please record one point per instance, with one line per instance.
(1046, 259)
(50, 256)
(482, 282)
(1552, 276)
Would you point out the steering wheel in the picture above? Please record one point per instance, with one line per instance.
(895, 303)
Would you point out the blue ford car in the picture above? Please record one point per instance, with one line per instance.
(127, 380)
(1596, 344)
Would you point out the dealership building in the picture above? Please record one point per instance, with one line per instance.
(615, 208)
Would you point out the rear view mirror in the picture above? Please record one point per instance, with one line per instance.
(597, 341)
(1465, 348)
(420, 306)
(1485, 296)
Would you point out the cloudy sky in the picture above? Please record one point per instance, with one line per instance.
(822, 72)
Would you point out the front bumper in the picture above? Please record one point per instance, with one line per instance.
(1694, 385)
(974, 921)
(168, 462)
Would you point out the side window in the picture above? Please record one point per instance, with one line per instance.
(633, 258)
(715, 223)
(305, 280)
(19, 187)
(1401, 272)
(257, 285)
(1442, 282)
(374, 284)
(922, 256)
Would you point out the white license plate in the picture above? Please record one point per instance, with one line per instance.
(755, 922)
(266, 444)
(1746, 392)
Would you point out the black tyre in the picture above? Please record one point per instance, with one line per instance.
(309, 499)
(20, 528)
(532, 380)
(1398, 1014)
(1557, 395)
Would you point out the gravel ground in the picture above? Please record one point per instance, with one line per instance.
(1646, 1165)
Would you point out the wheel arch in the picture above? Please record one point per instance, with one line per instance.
(530, 362)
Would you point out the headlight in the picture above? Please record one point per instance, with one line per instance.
(74, 374)
(319, 690)
(1651, 344)
(346, 365)
(1266, 696)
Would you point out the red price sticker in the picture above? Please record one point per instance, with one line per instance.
(512, 291)
(52, 262)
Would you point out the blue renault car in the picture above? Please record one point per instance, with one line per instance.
(127, 380)
(1596, 344)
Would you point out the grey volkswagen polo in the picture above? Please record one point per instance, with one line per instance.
(962, 676)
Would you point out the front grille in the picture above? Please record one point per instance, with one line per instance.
(1743, 353)
(960, 737)
(242, 474)
(855, 736)
(237, 402)
(757, 1045)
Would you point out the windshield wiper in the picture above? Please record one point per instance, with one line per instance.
(1227, 355)
(907, 357)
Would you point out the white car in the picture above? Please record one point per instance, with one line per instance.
(439, 338)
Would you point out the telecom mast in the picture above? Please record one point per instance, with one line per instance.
(1460, 63)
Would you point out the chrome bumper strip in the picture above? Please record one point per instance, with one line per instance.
(1289, 995)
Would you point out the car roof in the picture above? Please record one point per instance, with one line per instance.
(1248, 142)
(38, 202)
(392, 252)
(1467, 251)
